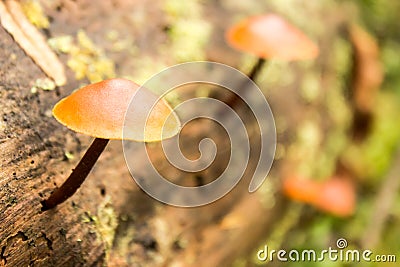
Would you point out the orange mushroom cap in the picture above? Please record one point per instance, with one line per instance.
(299, 189)
(335, 195)
(270, 36)
(99, 110)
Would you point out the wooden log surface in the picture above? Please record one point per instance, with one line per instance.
(32, 159)
(110, 221)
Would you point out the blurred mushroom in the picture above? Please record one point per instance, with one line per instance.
(366, 79)
(99, 110)
(335, 195)
(270, 36)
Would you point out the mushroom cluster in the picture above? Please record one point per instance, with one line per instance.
(99, 109)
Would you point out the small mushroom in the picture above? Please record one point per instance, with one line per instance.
(269, 37)
(99, 110)
(335, 195)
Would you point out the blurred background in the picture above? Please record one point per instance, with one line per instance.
(337, 162)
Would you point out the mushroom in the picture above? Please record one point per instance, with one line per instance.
(335, 195)
(270, 36)
(99, 110)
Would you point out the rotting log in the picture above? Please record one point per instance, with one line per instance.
(32, 159)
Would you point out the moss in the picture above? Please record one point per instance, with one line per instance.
(45, 84)
(61, 44)
(69, 155)
(177, 9)
(310, 89)
(34, 13)
(276, 74)
(267, 193)
(121, 43)
(372, 158)
(86, 59)
(11, 200)
(188, 31)
(288, 221)
(295, 12)
(306, 147)
(189, 37)
(106, 221)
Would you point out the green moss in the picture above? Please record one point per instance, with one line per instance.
(69, 155)
(86, 59)
(342, 60)
(34, 13)
(45, 84)
(310, 89)
(11, 200)
(61, 44)
(372, 158)
(276, 74)
(176, 9)
(188, 31)
(189, 37)
(306, 148)
(287, 222)
(390, 51)
(106, 221)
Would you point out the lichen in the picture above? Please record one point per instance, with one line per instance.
(267, 193)
(310, 87)
(86, 59)
(11, 200)
(106, 221)
(61, 44)
(121, 43)
(188, 31)
(287, 222)
(34, 13)
(189, 37)
(69, 155)
(45, 84)
(276, 74)
(373, 157)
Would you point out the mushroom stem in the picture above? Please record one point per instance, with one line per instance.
(256, 68)
(233, 101)
(78, 175)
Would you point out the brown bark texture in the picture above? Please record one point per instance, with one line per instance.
(110, 221)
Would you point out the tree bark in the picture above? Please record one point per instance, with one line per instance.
(32, 160)
(110, 221)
